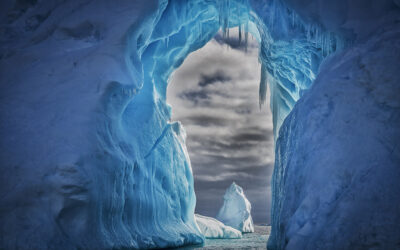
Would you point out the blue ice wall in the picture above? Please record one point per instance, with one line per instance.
(335, 177)
(335, 182)
(90, 159)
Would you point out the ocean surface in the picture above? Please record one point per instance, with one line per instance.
(249, 241)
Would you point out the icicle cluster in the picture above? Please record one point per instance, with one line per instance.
(240, 10)
(290, 54)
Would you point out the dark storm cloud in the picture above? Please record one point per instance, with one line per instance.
(195, 96)
(246, 137)
(203, 98)
(244, 110)
(205, 120)
(257, 169)
(218, 76)
(222, 144)
(233, 161)
(202, 95)
(258, 173)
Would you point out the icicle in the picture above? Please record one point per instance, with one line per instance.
(224, 14)
(263, 86)
(308, 32)
(167, 41)
(219, 16)
(227, 17)
(316, 37)
(240, 33)
(293, 19)
(225, 26)
(240, 25)
(246, 35)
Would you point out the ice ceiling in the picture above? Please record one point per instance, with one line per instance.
(90, 159)
(290, 53)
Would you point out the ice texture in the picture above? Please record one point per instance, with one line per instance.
(89, 158)
(214, 229)
(86, 161)
(336, 178)
(335, 182)
(236, 210)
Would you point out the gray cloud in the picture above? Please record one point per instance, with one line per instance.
(205, 120)
(215, 95)
(218, 76)
(263, 135)
(195, 96)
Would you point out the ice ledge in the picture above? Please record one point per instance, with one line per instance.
(214, 229)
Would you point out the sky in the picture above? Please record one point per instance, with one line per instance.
(214, 93)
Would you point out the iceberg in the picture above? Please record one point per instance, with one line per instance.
(214, 229)
(236, 210)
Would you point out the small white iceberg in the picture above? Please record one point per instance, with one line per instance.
(236, 210)
(214, 229)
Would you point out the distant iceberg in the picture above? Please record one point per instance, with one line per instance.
(236, 210)
(214, 229)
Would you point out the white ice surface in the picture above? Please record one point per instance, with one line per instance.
(236, 210)
(214, 229)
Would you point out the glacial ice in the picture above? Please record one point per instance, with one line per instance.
(89, 158)
(236, 210)
(335, 181)
(336, 178)
(214, 229)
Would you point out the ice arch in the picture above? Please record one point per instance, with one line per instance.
(290, 54)
(89, 159)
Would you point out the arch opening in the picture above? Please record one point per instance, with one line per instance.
(290, 54)
(214, 93)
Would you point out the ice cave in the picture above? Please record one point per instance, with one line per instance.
(90, 159)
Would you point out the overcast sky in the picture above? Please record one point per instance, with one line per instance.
(215, 96)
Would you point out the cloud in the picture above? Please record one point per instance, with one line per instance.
(215, 96)
(263, 135)
(195, 96)
(205, 120)
(218, 76)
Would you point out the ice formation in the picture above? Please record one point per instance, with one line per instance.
(236, 210)
(335, 183)
(90, 159)
(214, 229)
